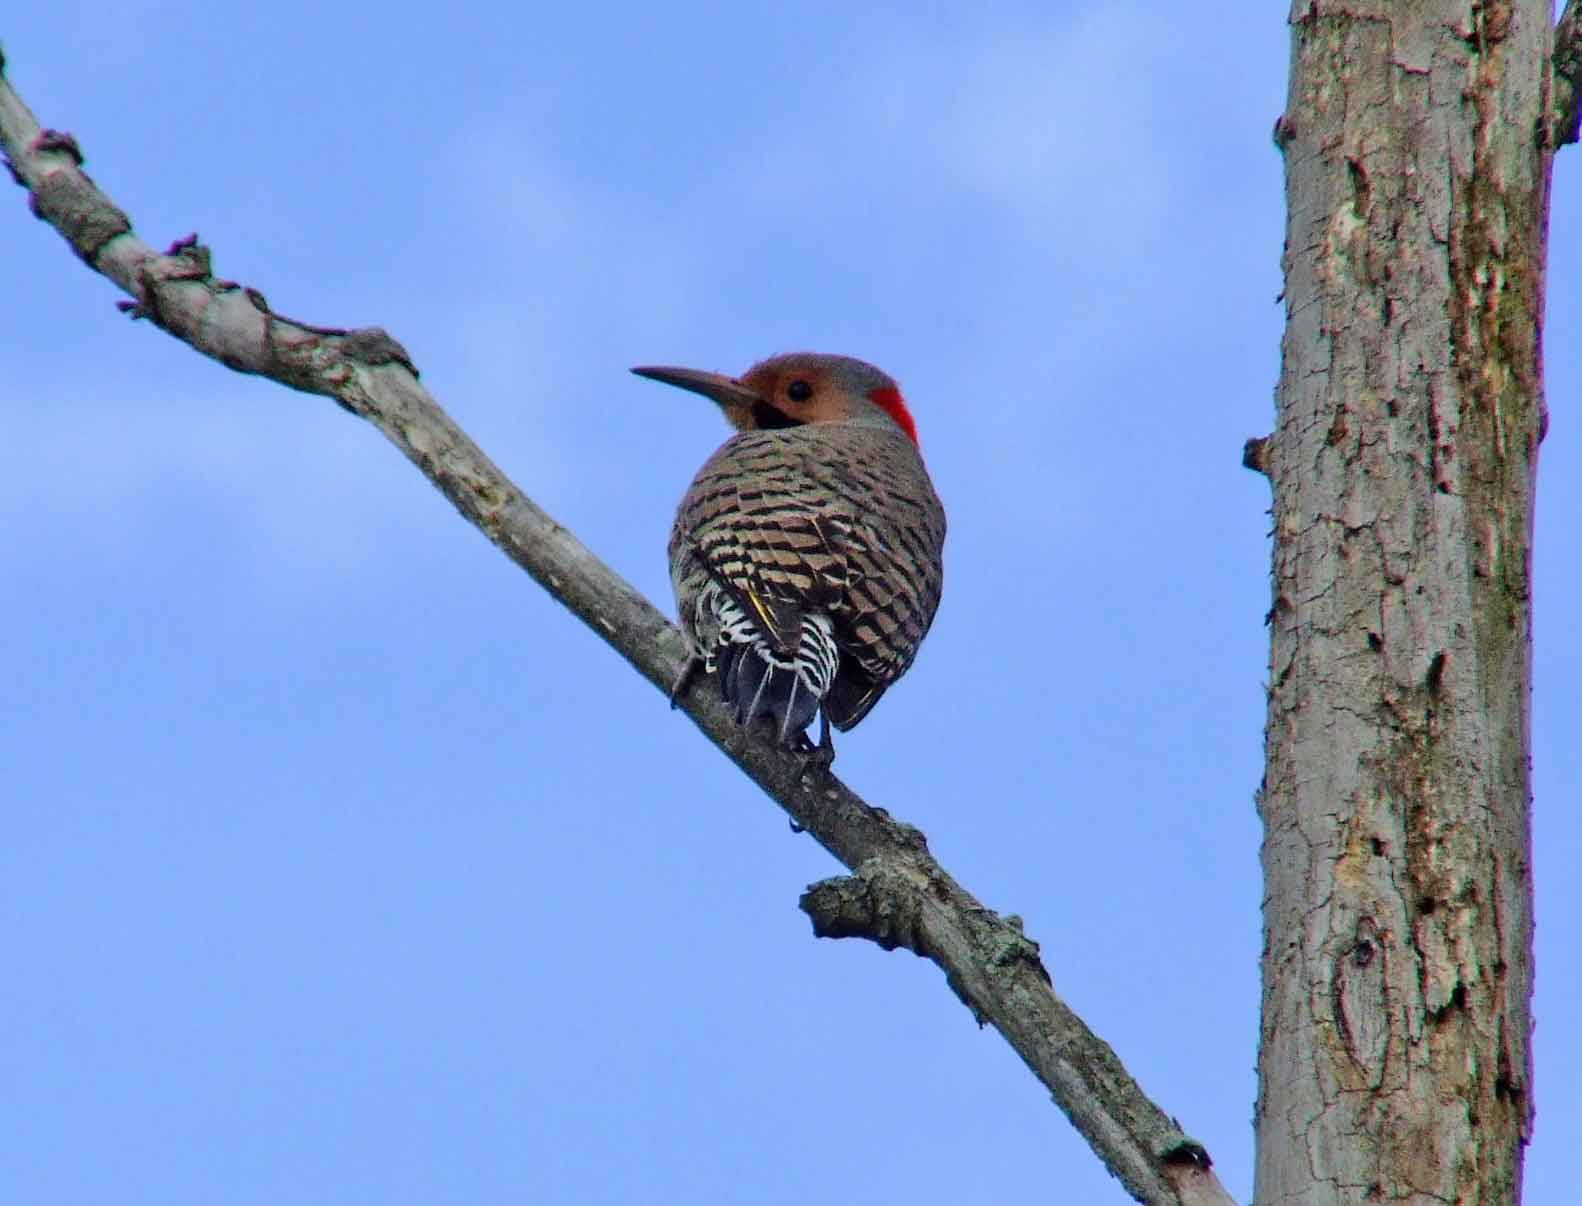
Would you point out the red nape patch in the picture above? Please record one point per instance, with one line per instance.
(895, 406)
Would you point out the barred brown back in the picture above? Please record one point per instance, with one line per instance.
(835, 518)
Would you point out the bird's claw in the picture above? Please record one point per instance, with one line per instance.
(821, 755)
(684, 679)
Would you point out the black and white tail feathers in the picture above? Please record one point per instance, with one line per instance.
(756, 679)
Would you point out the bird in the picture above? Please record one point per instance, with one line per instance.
(807, 554)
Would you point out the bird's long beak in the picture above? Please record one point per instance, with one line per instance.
(727, 391)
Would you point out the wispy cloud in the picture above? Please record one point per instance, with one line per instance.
(298, 505)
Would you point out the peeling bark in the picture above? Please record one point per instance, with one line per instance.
(1394, 1062)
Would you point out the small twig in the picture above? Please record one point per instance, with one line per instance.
(1255, 455)
(900, 895)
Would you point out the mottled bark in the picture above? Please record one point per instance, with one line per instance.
(1394, 1063)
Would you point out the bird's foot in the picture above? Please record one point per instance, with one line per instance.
(684, 679)
(822, 755)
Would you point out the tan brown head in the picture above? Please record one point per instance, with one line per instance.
(797, 388)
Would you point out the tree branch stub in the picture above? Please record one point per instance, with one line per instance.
(1566, 101)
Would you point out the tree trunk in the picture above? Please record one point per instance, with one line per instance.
(1394, 1060)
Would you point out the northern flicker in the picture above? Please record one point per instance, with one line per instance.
(806, 554)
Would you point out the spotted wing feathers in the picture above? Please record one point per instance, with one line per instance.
(808, 560)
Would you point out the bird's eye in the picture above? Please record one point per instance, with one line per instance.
(799, 391)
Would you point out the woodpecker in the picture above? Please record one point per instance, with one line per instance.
(806, 555)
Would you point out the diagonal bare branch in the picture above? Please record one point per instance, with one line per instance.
(898, 896)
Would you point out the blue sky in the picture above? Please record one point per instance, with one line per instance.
(343, 865)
